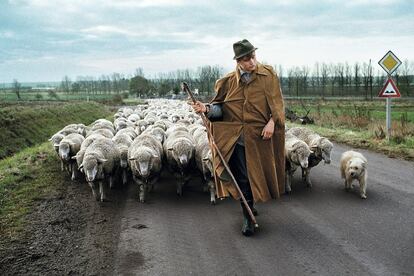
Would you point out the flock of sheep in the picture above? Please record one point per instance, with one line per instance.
(138, 145)
(144, 140)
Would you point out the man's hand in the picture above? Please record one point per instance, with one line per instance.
(199, 107)
(268, 130)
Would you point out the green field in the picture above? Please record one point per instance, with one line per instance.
(9, 96)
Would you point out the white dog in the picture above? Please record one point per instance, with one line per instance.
(354, 166)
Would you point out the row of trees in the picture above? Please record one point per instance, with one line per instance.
(343, 79)
(322, 80)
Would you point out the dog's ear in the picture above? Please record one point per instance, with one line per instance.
(364, 165)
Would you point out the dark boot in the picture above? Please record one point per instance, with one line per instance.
(254, 211)
(248, 226)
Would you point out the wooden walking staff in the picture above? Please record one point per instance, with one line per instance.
(226, 166)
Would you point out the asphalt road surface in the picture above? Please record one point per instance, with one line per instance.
(325, 231)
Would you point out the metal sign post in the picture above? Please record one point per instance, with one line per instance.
(389, 63)
(388, 118)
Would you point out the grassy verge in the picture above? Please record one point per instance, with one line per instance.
(365, 139)
(362, 124)
(30, 175)
(22, 126)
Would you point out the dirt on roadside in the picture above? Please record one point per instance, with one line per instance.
(68, 234)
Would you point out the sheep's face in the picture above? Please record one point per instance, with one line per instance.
(355, 168)
(182, 153)
(159, 134)
(175, 118)
(64, 151)
(326, 147)
(124, 159)
(92, 168)
(300, 154)
(143, 163)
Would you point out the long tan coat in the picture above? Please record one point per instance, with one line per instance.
(246, 109)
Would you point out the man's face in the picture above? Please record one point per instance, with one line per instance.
(248, 62)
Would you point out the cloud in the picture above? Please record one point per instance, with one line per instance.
(103, 36)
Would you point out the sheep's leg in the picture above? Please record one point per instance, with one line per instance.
(102, 190)
(288, 187)
(142, 191)
(363, 188)
(94, 193)
(124, 177)
(212, 188)
(74, 171)
(152, 182)
(205, 184)
(62, 166)
(306, 173)
(180, 183)
(111, 182)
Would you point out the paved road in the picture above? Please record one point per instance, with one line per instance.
(326, 231)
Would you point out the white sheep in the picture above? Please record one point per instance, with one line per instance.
(296, 154)
(85, 144)
(204, 161)
(321, 149)
(129, 131)
(179, 150)
(145, 160)
(123, 141)
(102, 131)
(100, 162)
(157, 131)
(68, 148)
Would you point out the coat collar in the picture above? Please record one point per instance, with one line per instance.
(260, 70)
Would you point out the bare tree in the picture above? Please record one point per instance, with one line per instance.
(66, 84)
(357, 80)
(324, 78)
(406, 77)
(17, 88)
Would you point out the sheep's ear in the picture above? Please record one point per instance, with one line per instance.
(170, 148)
(50, 139)
(314, 148)
(73, 157)
(81, 166)
(132, 158)
(205, 159)
(101, 160)
(311, 151)
(156, 155)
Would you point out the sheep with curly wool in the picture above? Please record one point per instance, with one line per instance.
(297, 153)
(145, 160)
(204, 161)
(100, 162)
(123, 141)
(69, 147)
(179, 147)
(321, 149)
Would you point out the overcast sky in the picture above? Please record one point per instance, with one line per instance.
(43, 40)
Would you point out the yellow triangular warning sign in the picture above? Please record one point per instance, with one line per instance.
(389, 90)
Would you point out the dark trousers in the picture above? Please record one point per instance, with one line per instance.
(238, 167)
